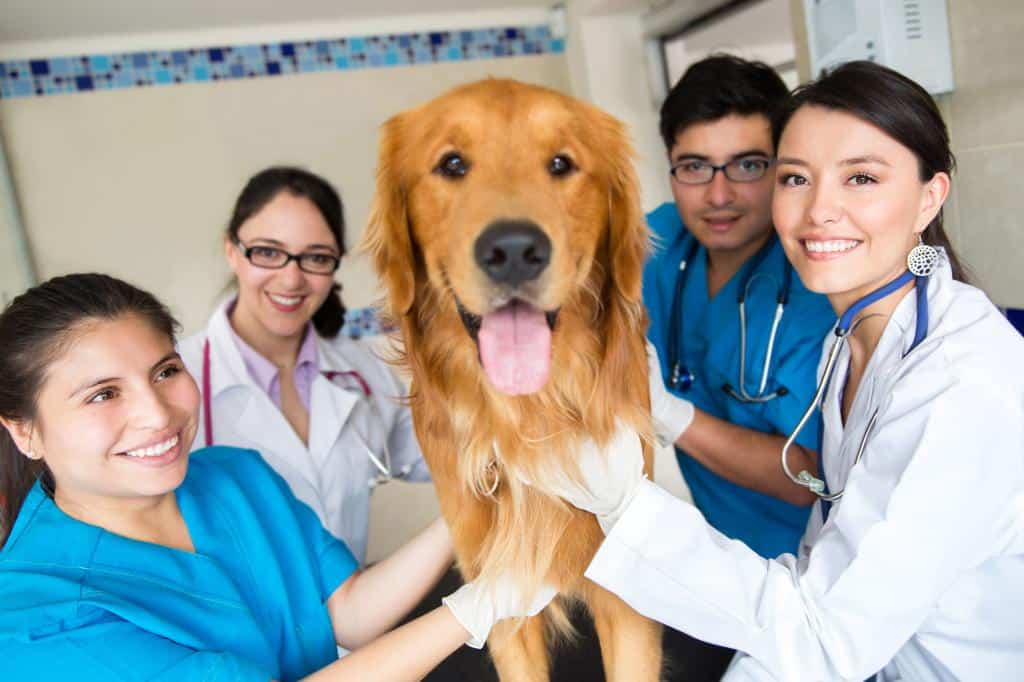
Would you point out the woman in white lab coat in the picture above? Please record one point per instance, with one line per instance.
(276, 376)
(916, 571)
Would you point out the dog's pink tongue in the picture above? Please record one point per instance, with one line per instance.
(515, 348)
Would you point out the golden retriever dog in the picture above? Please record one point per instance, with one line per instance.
(507, 230)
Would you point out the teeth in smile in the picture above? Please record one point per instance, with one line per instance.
(831, 245)
(285, 300)
(155, 450)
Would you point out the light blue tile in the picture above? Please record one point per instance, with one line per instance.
(141, 69)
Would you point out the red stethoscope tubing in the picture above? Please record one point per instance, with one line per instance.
(330, 375)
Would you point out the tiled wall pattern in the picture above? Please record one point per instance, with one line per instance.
(41, 77)
(362, 323)
(985, 114)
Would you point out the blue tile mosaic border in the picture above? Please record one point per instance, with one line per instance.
(42, 77)
(363, 322)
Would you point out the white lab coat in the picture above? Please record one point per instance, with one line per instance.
(333, 474)
(919, 571)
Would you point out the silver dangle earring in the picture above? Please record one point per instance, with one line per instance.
(922, 259)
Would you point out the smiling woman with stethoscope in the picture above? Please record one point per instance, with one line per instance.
(911, 566)
(275, 375)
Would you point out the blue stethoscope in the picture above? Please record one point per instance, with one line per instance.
(680, 376)
(845, 326)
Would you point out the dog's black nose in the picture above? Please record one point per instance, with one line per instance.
(512, 251)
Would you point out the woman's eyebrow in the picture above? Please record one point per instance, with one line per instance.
(864, 159)
(91, 383)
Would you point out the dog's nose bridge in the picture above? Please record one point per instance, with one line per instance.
(512, 252)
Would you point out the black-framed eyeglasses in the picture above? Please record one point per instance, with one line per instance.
(273, 258)
(743, 169)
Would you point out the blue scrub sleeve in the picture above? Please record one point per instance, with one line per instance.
(336, 561)
(113, 649)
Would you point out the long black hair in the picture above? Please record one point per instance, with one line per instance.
(262, 188)
(35, 329)
(898, 107)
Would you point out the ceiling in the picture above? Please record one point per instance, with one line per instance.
(47, 20)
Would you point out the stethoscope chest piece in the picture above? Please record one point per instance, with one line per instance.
(681, 378)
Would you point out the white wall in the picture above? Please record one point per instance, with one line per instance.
(607, 68)
(762, 31)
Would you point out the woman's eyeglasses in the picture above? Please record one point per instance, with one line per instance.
(273, 258)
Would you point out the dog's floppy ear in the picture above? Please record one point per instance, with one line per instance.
(628, 235)
(388, 236)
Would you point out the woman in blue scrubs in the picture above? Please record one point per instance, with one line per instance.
(125, 557)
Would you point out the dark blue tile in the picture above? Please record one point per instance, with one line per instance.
(83, 82)
(39, 67)
(1016, 317)
(436, 38)
(215, 54)
(511, 33)
(288, 49)
(273, 68)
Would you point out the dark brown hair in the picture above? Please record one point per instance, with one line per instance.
(35, 328)
(716, 87)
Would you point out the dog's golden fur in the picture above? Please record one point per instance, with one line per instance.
(421, 235)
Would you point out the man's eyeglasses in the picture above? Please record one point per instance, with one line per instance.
(743, 169)
(273, 258)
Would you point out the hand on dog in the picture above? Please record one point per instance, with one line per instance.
(478, 605)
(672, 415)
(608, 481)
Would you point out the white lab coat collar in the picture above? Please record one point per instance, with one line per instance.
(330, 402)
(227, 368)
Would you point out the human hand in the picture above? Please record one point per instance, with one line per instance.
(672, 415)
(608, 481)
(479, 604)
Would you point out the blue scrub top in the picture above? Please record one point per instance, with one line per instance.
(711, 346)
(78, 602)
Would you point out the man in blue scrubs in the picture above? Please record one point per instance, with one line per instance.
(716, 125)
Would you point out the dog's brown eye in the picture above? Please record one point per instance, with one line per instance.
(561, 165)
(452, 165)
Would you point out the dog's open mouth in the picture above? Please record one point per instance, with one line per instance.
(514, 342)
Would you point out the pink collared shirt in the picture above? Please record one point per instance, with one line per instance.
(266, 374)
